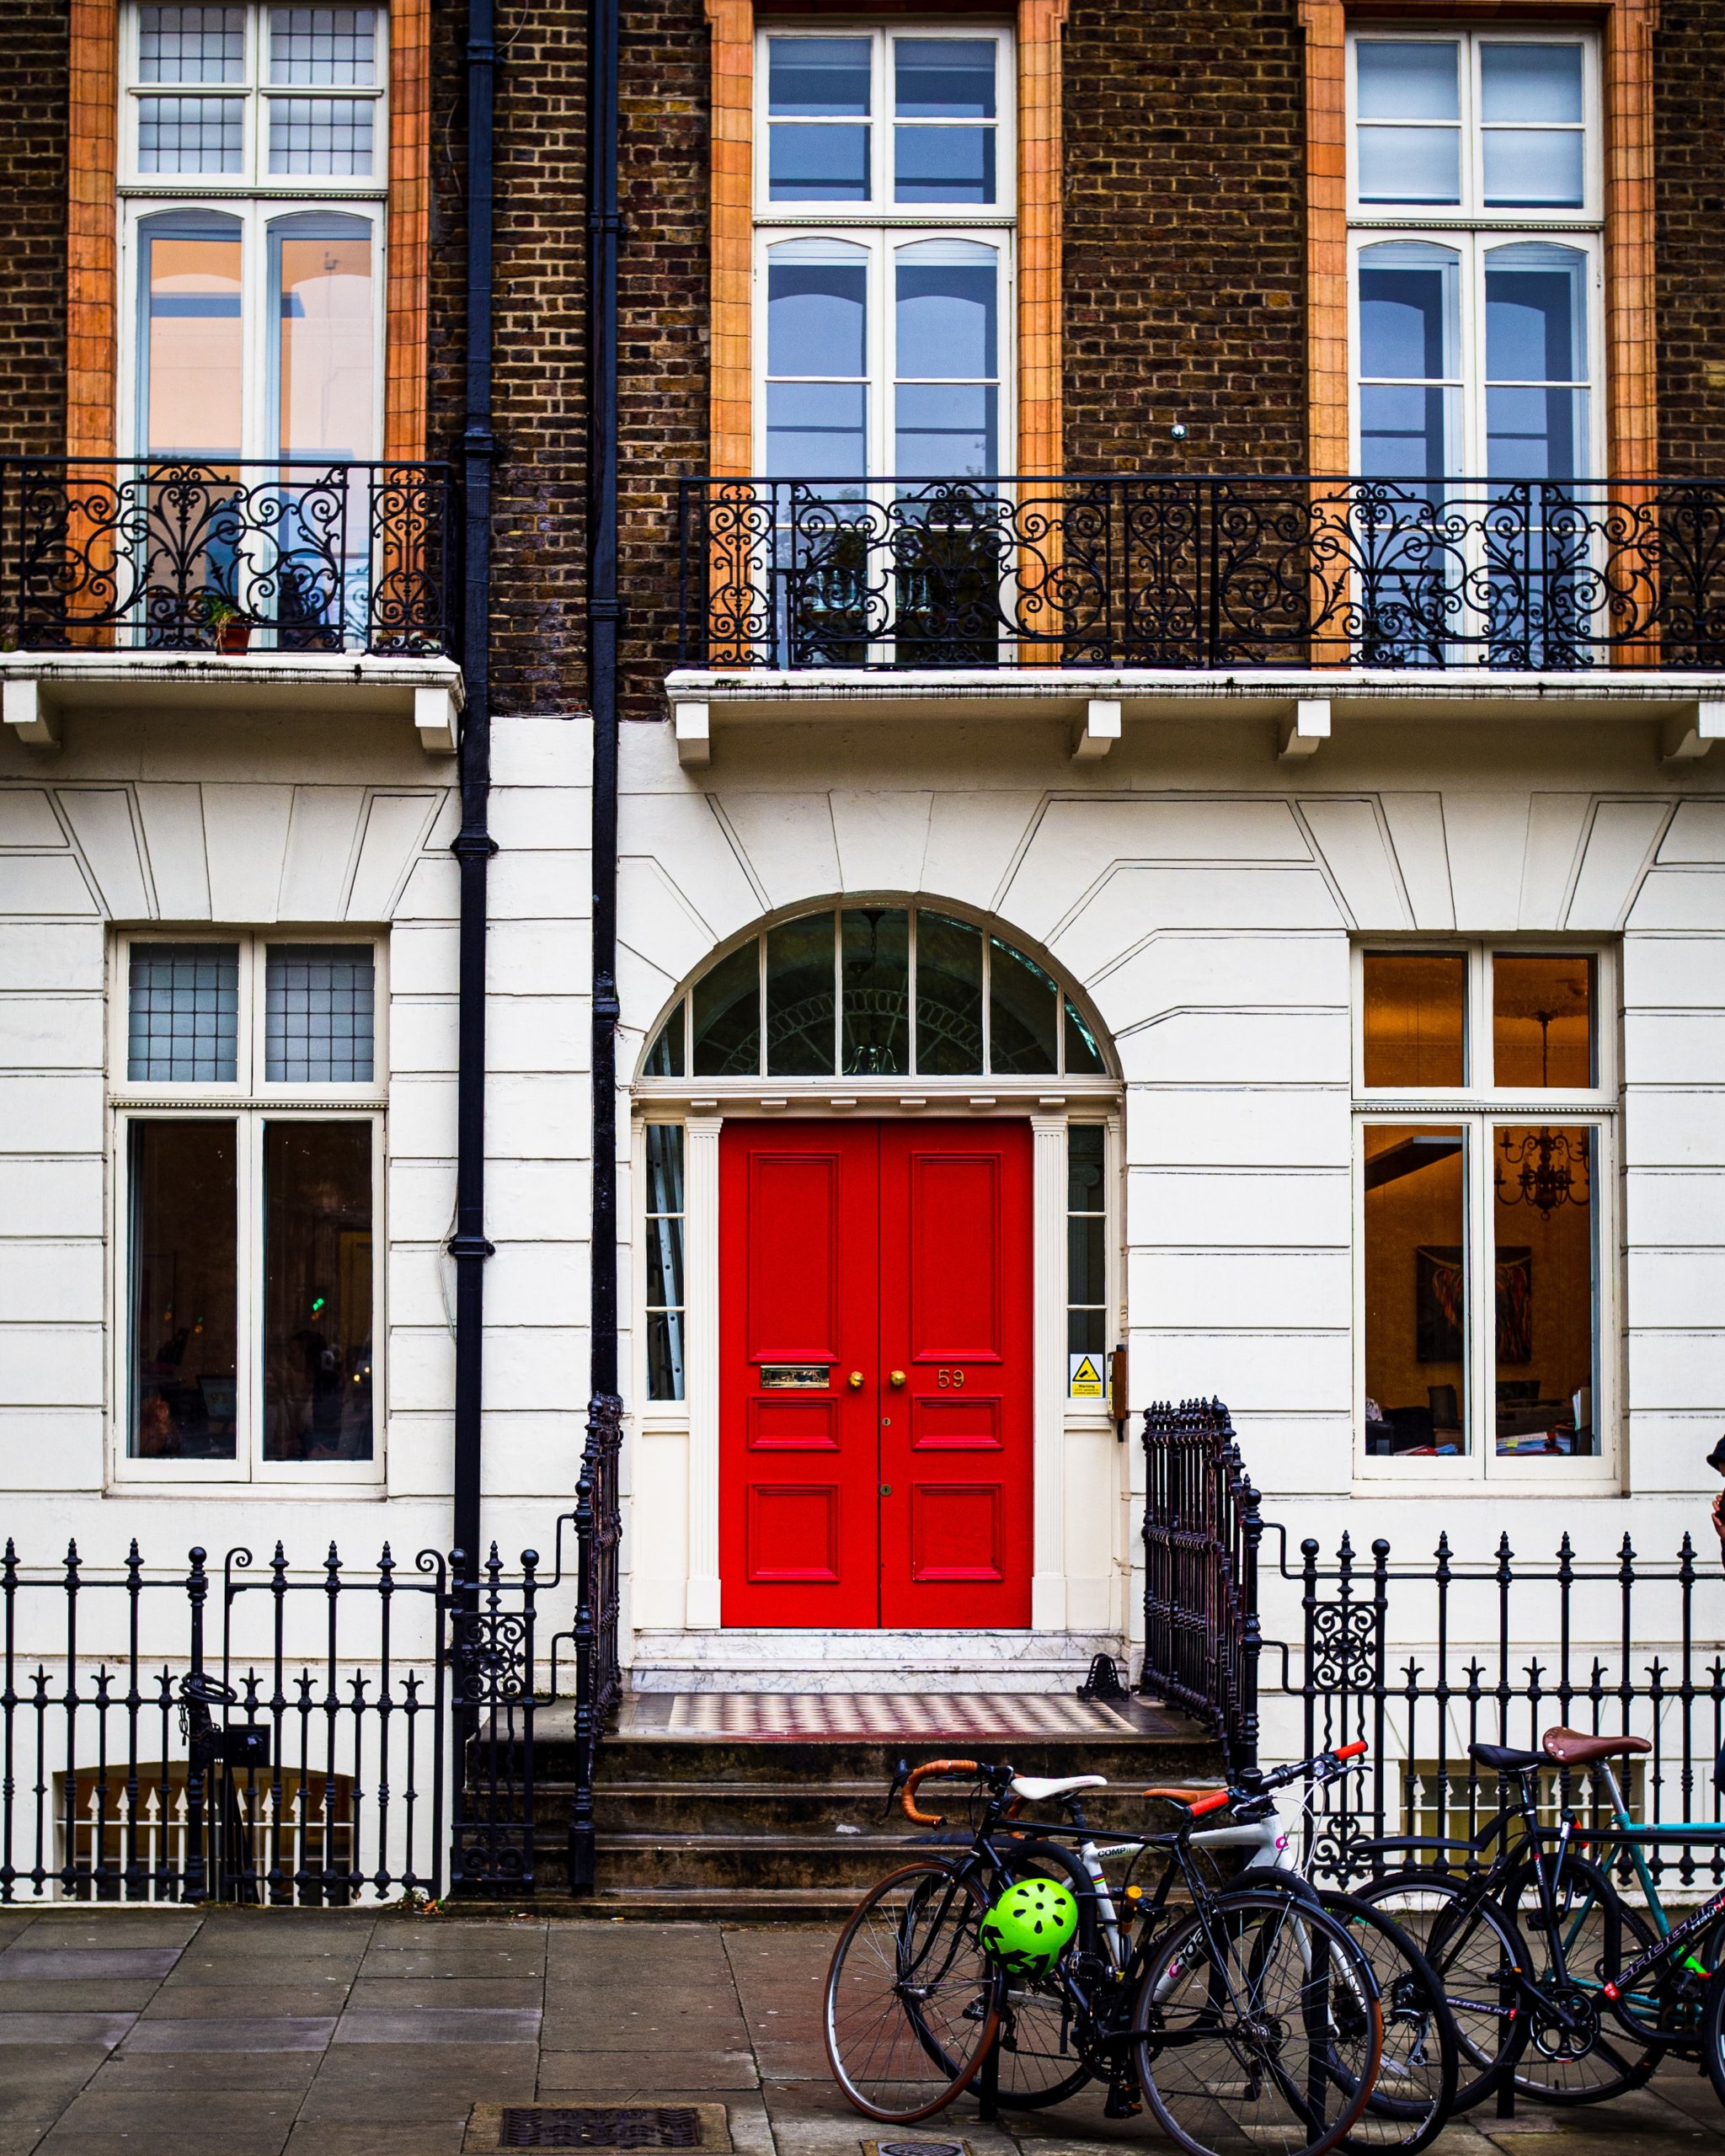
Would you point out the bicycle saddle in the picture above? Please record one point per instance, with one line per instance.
(1037, 1789)
(1504, 1758)
(1573, 1747)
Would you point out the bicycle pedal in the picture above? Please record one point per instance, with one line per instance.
(1122, 2103)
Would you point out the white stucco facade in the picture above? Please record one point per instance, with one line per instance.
(1202, 894)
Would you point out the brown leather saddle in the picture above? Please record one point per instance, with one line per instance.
(1573, 1747)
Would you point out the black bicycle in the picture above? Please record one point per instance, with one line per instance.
(1247, 2016)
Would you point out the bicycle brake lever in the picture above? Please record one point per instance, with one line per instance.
(901, 1775)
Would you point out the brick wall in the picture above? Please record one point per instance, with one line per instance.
(1688, 61)
(32, 66)
(1184, 236)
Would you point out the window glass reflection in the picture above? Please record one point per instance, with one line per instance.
(1418, 86)
(323, 303)
(809, 80)
(1415, 1289)
(316, 1291)
(1416, 1007)
(191, 275)
(183, 1262)
(800, 998)
(1024, 1013)
(1536, 407)
(665, 1293)
(1540, 163)
(1543, 1020)
(1545, 1291)
(817, 293)
(946, 359)
(949, 997)
(877, 990)
(1409, 359)
(1086, 1248)
(727, 1005)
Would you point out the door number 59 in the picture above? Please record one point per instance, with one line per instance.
(949, 1380)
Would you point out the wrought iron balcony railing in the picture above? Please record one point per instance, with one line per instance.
(178, 554)
(1512, 575)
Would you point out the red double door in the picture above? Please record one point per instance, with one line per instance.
(875, 1399)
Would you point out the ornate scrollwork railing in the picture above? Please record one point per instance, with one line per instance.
(1171, 572)
(177, 554)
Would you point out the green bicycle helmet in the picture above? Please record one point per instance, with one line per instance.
(1030, 1926)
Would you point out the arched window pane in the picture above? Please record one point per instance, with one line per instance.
(1083, 1054)
(877, 991)
(817, 318)
(727, 1042)
(949, 997)
(1535, 362)
(1023, 1013)
(1409, 359)
(668, 1057)
(190, 270)
(323, 301)
(800, 1038)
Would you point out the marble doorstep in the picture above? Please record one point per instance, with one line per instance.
(897, 1661)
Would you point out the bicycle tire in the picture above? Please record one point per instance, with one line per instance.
(1045, 2058)
(1478, 1956)
(1555, 2065)
(911, 2003)
(1415, 2091)
(1713, 2032)
(1259, 2001)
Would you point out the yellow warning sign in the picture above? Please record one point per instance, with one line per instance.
(1084, 1379)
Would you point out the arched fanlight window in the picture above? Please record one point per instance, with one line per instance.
(866, 991)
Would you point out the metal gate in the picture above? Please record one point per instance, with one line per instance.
(265, 1734)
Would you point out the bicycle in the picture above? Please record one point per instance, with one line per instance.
(1526, 1948)
(1255, 2002)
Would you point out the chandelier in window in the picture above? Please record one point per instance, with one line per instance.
(1544, 1169)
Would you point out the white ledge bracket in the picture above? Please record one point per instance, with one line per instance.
(1691, 734)
(434, 719)
(1100, 730)
(27, 718)
(1306, 733)
(694, 732)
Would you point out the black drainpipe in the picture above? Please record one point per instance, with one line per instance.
(604, 617)
(473, 846)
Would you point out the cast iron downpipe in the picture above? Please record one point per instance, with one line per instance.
(604, 617)
(596, 1497)
(472, 846)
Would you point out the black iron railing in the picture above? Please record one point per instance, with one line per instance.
(1201, 1530)
(175, 554)
(597, 1521)
(1426, 1656)
(1172, 571)
(263, 1734)
(1423, 1658)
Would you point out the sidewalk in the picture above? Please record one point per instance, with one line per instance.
(157, 2032)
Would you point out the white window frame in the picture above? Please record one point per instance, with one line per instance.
(249, 1101)
(1471, 212)
(257, 198)
(253, 178)
(1478, 1107)
(883, 226)
(1473, 230)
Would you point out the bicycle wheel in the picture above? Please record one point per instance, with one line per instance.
(1043, 2055)
(911, 2000)
(1712, 2031)
(1575, 2052)
(1416, 2083)
(1257, 2028)
(1477, 1956)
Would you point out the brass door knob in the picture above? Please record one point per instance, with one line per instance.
(855, 1381)
(897, 1377)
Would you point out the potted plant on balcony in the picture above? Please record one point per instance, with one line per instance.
(232, 629)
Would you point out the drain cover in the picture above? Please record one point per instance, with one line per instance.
(920, 2149)
(636, 2126)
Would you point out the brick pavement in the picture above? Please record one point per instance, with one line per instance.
(314, 2033)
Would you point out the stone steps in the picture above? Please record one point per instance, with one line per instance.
(745, 1829)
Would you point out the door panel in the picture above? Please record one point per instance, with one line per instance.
(891, 1251)
(957, 1438)
(798, 1290)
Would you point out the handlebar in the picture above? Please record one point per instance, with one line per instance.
(918, 1774)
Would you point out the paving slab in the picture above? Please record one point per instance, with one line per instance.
(439, 2025)
(27, 1963)
(276, 2073)
(395, 1994)
(212, 2002)
(632, 2076)
(279, 2032)
(321, 2137)
(103, 2030)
